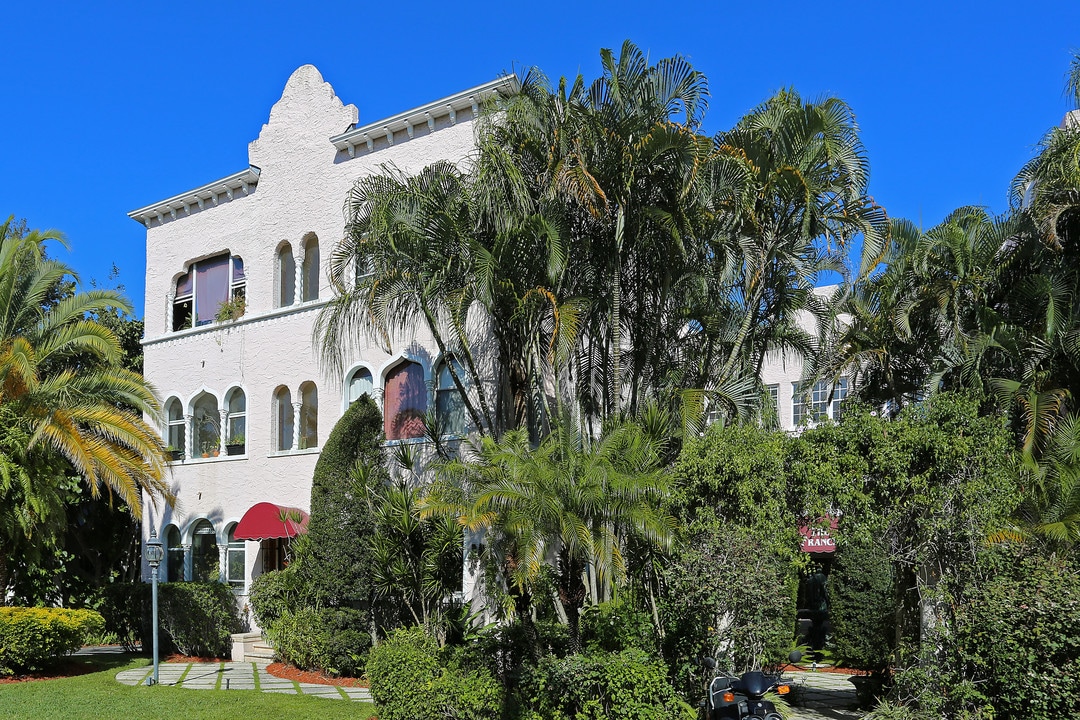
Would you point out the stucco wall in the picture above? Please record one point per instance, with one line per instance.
(302, 187)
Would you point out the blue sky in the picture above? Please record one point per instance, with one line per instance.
(115, 107)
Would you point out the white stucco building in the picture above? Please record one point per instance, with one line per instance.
(246, 403)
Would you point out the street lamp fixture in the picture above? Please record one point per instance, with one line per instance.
(154, 554)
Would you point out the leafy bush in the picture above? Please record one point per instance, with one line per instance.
(398, 668)
(31, 635)
(333, 640)
(726, 597)
(601, 685)
(1016, 638)
(615, 626)
(503, 650)
(408, 683)
(862, 607)
(273, 594)
(335, 562)
(195, 618)
(465, 695)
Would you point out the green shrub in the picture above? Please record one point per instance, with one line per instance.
(30, 635)
(273, 594)
(399, 668)
(862, 606)
(408, 683)
(602, 685)
(195, 618)
(1016, 638)
(335, 563)
(199, 617)
(464, 695)
(332, 640)
(503, 650)
(615, 626)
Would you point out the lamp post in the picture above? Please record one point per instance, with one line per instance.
(154, 553)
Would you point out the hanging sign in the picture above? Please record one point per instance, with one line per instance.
(817, 538)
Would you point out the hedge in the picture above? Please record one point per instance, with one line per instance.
(627, 685)
(30, 635)
(332, 640)
(196, 619)
(409, 683)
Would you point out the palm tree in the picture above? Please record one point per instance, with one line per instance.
(567, 507)
(407, 259)
(62, 383)
(803, 199)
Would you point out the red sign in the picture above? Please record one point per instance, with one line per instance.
(816, 538)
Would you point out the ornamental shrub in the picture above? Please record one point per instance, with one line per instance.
(199, 617)
(335, 563)
(1016, 637)
(195, 618)
(615, 626)
(862, 605)
(328, 639)
(409, 683)
(399, 668)
(273, 594)
(29, 636)
(599, 686)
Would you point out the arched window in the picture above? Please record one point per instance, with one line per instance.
(404, 401)
(359, 383)
(174, 560)
(236, 421)
(283, 419)
(449, 405)
(207, 289)
(309, 416)
(175, 433)
(206, 426)
(204, 553)
(285, 294)
(311, 267)
(235, 561)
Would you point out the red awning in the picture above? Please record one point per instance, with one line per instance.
(267, 520)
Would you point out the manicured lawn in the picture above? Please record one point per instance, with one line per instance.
(98, 695)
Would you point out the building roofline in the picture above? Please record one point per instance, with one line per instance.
(425, 114)
(244, 181)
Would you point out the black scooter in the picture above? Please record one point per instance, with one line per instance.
(731, 697)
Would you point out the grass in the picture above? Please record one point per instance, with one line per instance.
(99, 695)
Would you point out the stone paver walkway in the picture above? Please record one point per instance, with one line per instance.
(236, 676)
(822, 696)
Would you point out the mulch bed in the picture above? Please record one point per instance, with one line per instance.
(288, 672)
(822, 669)
(56, 671)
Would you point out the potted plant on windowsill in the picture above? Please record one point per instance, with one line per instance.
(174, 453)
(210, 450)
(231, 310)
(235, 445)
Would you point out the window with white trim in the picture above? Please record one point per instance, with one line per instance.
(449, 405)
(176, 432)
(206, 426)
(236, 417)
(235, 560)
(204, 288)
(405, 400)
(311, 267)
(283, 419)
(285, 292)
(816, 407)
(309, 416)
(360, 383)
